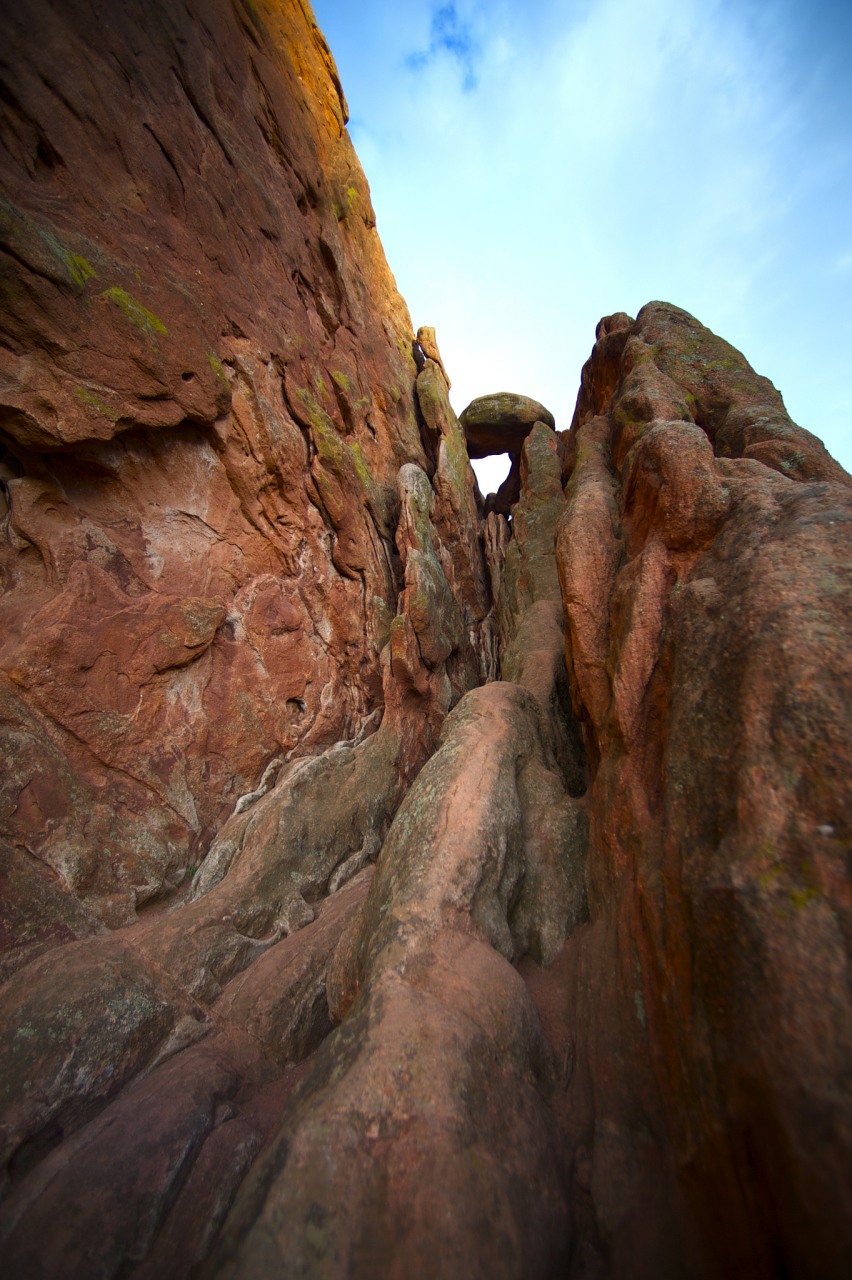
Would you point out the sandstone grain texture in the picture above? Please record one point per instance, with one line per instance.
(392, 882)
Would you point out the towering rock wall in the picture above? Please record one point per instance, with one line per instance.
(704, 554)
(206, 394)
(388, 888)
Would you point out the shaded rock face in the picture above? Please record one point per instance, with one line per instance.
(388, 887)
(707, 604)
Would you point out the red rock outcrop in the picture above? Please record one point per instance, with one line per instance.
(704, 557)
(206, 393)
(588, 1014)
(500, 423)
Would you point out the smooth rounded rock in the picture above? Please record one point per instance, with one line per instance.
(500, 423)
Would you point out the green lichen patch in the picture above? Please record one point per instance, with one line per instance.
(458, 462)
(255, 16)
(93, 401)
(768, 879)
(351, 197)
(138, 315)
(217, 367)
(398, 642)
(365, 475)
(341, 459)
(801, 897)
(40, 248)
(341, 379)
(382, 619)
(775, 881)
(79, 268)
(317, 417)
(724, 364)
(832, 584)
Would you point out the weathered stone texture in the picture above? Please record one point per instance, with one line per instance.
(392, 882)
(206, 392)
(708, 607)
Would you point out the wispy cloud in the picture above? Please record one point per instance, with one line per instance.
(449, 35)
(613, 151)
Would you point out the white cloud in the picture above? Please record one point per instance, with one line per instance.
(566, 160)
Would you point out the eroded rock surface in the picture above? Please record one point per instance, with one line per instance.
(390, 887)
(707, 595)
(206, 394)
(500, 423)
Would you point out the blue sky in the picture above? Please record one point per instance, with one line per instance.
(536, 166)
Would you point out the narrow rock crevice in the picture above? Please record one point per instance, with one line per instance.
(393, 880)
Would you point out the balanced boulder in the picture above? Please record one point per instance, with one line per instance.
(500, 423)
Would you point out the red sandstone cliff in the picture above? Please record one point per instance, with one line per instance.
(388, 889)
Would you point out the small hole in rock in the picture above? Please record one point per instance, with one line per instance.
(492, 471)
(187, 377)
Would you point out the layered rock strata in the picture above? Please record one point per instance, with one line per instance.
(389, 886)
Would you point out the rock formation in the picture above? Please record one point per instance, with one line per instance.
(500, 424)
(394, 882)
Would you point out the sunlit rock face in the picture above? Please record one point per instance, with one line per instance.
(393, 882)
(206, 394)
